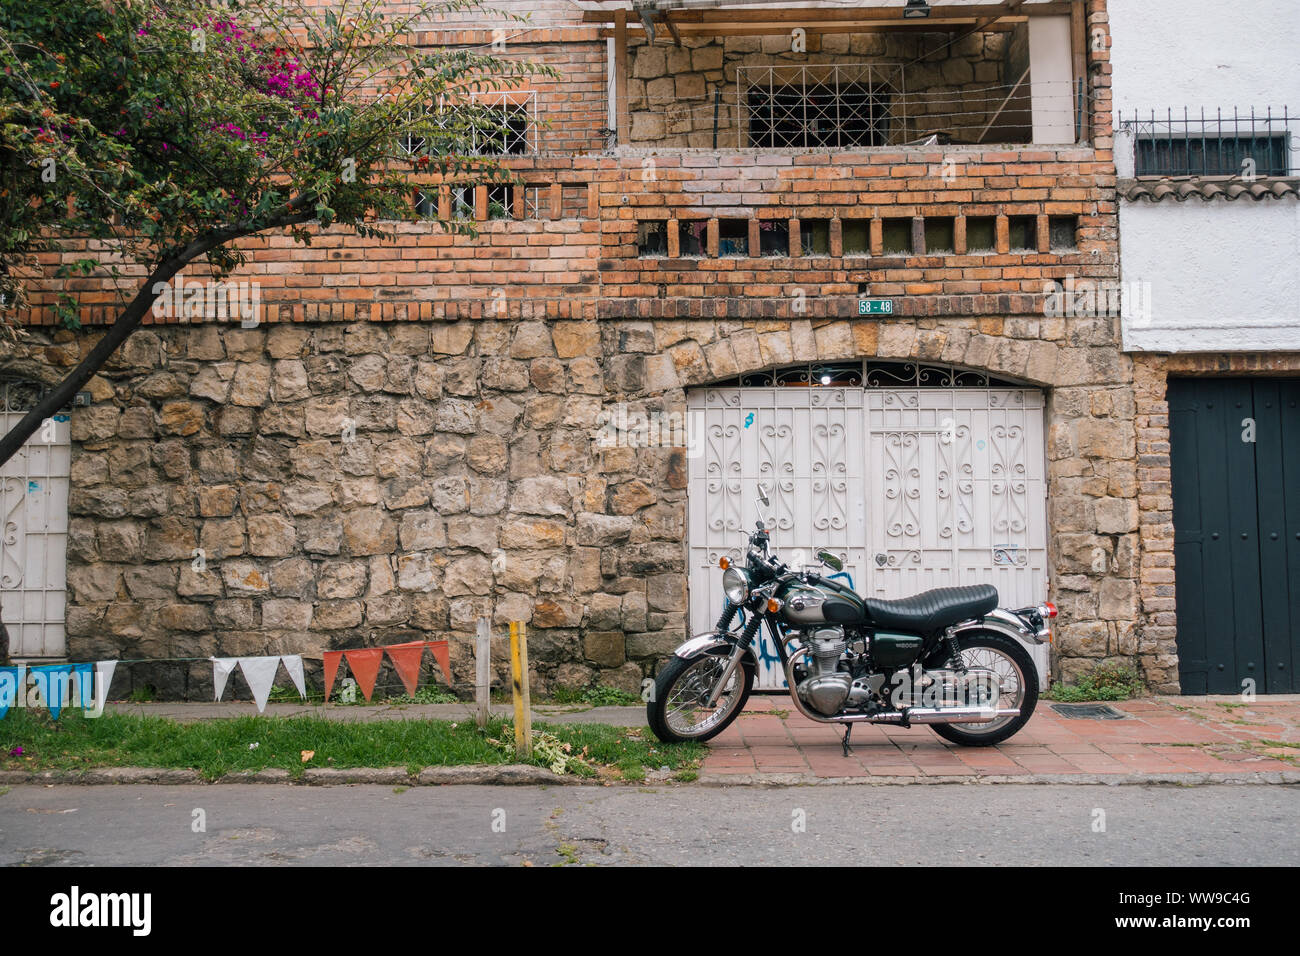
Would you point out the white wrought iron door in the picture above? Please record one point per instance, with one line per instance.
(805, 445)
(957, 493)
(34, 532)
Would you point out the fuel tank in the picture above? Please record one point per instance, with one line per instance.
(826, 602)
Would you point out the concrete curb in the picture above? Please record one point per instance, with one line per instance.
(528, 775)
(1274, 777)
(490, 774)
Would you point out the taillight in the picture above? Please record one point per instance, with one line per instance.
(1049, 609)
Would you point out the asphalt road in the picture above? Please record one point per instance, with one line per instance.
(895, 825)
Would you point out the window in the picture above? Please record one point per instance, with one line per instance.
(1212, 154)
(774, 237)
(1061, 232)
(897, 234)
(1023, 231)
(981, 234)
(652, 238)
(855, 235)
(733, 237)
(815, 237)
(939, 234)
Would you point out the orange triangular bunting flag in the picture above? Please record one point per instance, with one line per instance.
(332, 659)
(442, 656)
(406, 661)
(364, 664)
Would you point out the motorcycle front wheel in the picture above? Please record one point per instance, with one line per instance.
(677, 712)
(1018, 679)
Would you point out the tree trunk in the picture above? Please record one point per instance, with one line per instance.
(63, 393)
(130, 320)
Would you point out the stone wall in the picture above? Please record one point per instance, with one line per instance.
(352, 484)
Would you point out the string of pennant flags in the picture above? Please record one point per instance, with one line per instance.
(85, 685)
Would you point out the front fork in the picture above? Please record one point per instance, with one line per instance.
(737, 652)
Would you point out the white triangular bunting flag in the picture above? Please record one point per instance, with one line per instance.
(293, 664)
(221, 668)
(103, 678)
(260, 674)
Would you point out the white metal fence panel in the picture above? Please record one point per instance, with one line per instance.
(34, 533)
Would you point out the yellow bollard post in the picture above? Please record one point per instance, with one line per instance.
(519, 673)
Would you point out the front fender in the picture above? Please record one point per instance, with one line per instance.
(1004, 622)
(711, 641)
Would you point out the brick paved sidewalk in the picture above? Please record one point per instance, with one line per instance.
(1167, 735)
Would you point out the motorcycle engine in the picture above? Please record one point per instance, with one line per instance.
(826, 687)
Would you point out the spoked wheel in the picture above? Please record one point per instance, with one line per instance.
(678, 710)
(1018, 689)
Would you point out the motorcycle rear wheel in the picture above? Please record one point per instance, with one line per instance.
(1019, 680)
(676, 712)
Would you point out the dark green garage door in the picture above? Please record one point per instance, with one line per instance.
(1236, 532)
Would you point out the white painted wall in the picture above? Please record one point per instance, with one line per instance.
(1211, 53)
(1223, 276)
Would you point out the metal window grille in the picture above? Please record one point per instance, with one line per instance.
(1254, 143)
(837, 106)
(870, 375)
(498, 123)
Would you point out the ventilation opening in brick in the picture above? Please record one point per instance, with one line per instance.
(733, 237)
(652, 238)
(1062, 232)
(462, 202)
(897, 237)
(1023, 231)
(534, 201)
(856, 236)
(426, 203)
(981, 234)
(500, 202)
(774, 237)
(939, 233)
(815, 237)
(693, 235)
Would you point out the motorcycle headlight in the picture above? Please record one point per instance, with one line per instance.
(735, 584)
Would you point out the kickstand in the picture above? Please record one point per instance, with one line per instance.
(848, 732)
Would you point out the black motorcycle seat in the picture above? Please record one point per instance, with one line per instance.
(934, 609)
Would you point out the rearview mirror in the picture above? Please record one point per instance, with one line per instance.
(828, 559)
(762, 496)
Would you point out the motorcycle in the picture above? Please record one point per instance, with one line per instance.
(949, 658)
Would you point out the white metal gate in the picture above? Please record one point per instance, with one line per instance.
(917, 476)
(34, 531)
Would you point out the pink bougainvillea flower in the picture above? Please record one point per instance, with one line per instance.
(16, 752)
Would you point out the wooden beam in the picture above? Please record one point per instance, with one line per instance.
(672, 27)
(939, 15)
(620, 78)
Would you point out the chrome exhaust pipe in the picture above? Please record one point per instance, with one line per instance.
(946, 715)
(915, 715)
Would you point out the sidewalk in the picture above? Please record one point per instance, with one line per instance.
(772, 742)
